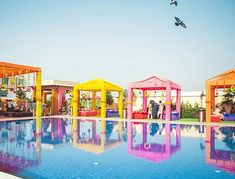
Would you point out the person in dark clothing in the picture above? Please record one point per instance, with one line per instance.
(154, 110)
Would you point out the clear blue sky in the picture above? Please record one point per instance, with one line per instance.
(120, 40)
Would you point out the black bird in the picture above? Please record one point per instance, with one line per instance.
(174, 2)
(179, 22)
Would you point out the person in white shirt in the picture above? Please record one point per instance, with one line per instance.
(160, 110)
(217, 112)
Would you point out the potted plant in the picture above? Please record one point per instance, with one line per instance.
(227, 101)
(21, 99)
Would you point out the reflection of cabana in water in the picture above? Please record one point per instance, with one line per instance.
(222, 81)
(99, 136)
(57, 89)
(94, 86)
(10, 69)
(17, 152)
(153, 151)
(154, 83)
(11, 163)
(221, 158)
(55, 131)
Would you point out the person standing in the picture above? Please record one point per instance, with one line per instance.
(217, 112)
(150, 107)
(160, 111)
(1, 105)
(155, 110)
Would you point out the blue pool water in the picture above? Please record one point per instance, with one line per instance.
(111, 149)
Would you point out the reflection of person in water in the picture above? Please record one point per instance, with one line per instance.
(20, 136)
(4, 135)
(124, 134)
(154, 129)
(28, 131)
(64, 124)
(46, 123)
(109, 128)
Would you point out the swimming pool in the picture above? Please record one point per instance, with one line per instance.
(116, 149)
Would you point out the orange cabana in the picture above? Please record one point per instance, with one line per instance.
(222, 81)
(10, 69)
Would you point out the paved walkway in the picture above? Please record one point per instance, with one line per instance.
(7, 176)
(121, 119)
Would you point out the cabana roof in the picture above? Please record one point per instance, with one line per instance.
(10, 69)
(223, 79)
(97, 85)
(155, 82)
(57, 84)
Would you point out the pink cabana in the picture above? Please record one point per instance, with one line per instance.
(154, 83)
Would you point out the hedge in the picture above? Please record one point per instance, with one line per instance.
(189, 111)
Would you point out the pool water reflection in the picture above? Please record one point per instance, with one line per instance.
(156, 145)
(85, 148)
(96, 136)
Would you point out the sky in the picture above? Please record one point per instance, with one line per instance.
(121, 41)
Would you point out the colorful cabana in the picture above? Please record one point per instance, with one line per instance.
(97, 85)
(10, 69)
(155, 152)
(220, 158)
(151, 84)
(222, 81)
(57, 89)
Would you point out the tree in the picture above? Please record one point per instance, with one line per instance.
(21, 97)
(227, 100)
(228, 97)
(21, 94)
(109, 98)
(125, 95)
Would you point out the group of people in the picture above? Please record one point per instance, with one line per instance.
(12, 107)
(220, 112)
(155, 110)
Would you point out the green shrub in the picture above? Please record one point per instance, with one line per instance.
(109, 98)
(189, 111)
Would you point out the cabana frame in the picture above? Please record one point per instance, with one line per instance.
(97, 85)
(221, 81)
(10, 69)
(154, 83)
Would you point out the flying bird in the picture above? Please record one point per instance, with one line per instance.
(174, 2)
(179, 22)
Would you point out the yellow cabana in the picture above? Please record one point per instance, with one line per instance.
(222, 81)
(97, 85)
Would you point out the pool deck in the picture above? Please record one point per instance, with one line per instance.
(8, 176)
(232, 124)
